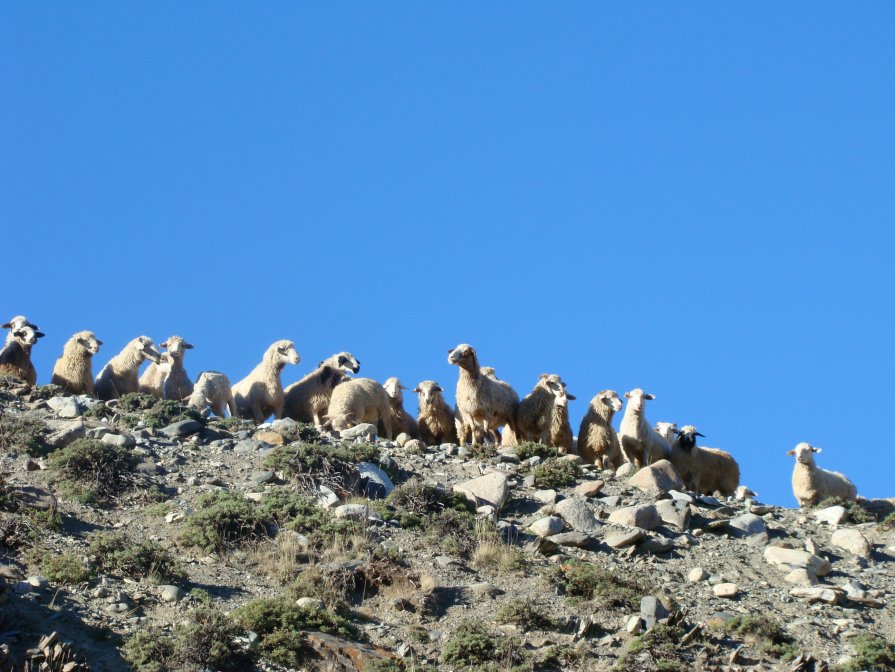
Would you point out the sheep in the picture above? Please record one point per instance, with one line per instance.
(435, 419)
(703, 470)
(668, 431)
(483, 404)
(560, 428)
(402, 421)
(73, 371)
(119, 376)
(213, 389)
(811, 484)
(533, 417)
(14, 324)
(308, 399)
(261, 393)
(359, 400)
(15, 358)
(597, 441)
(639, 442)
(176, 385)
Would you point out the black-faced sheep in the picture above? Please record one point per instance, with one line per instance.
(811, 484)
(597, 440)
(261, 392)
(483, 404)
(704, 470)
(213, 389)
(359, 400)
(435, 419)
(15, 358)
(15, 323)
(402, 421)
(73, 371)
(308, 399)
(639, 441)
(119, 376)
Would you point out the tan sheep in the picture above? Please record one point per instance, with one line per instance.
(811, 484)
(483, 404)
(15, 358)
(639, 442)
(308, 399)
(359, 400)
(402, 421)
(213, 389)
(535, 411)
(560, 427)
(176, 384)
(704, 470)
(73, 371)
(119, 376)
(261, 392)
(435, 419)
(597, 440)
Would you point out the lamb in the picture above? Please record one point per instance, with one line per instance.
(560, 428)
(703, 470)
(176, 385)
(811, 484)
(213, 389)
(483, 404)
(73, 371)
(639, 441)
(15, 358)
(533, 417)
(14, 324)
(119, 376)
(402, 421)
(308, 399)
(359, 400)
(261, 392)
(597, 441)
(435, 419)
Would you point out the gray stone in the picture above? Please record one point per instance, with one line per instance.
(697, 575)
(149, 468)
(545, 527)
(655, 545)
(726, 590)
(791, 558)
(182, 428)
(681, 496)
(816, 594)
(364, 430)
(376, 478)
(169, 593)
(852, 541)
(644, 516)
(490, 489)
(65, 407)
(575, 539)
(674, 513)
(651, 610)
(589, 488)
(611, 501)
(831, 515)
(623, 539)
(38, 581)
(285, 426)
(484, 589)
(801, 577)
(747, 525)
(250, 446)
(577, 515)
(625, 470)
(855, 592)
(63, 432)
(352, 511)
(415, 446)
(310, 603)
(657, 478)
(119, 440)
(262, 477)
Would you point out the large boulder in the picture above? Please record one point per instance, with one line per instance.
(645, 517)
(657, 478)
(490, 489)
(577, 515)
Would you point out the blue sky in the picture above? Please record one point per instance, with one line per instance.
(692, 198)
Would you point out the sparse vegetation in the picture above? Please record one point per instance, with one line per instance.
(116, 553)
(471, 647)
(555, 473)
(657, 650)
(592, 582)
(292, 511)
(224, 519)
(530, 449)
(765, 634)
(872, 654)
(311, 465)
(856, 512)
(65, 568)
(93, 472)
(21, 433)
(525, 614)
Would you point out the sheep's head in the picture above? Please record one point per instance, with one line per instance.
(145, 348)
(88, 341)
(176, 345)
(804, 453)
(636, 397)
(463, 356)
(687, 437)
(27, 335)
(428, 391)
(344, 361)
(339, 422)
(282, 353)
(18, 322)
(609, 398)
(164, 363)
(552, 382)
(562, 398)
(393, 388)
(667, 430)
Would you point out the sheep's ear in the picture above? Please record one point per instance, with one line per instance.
(417, 389)
(571, 397)
(651, 396)
(790, 452)
(403, 387)
(163, 344)
(188, 346)
(39, 334)
(699, 434)
(8, 325)
(99, 342)
(815, 450)
(627, 395)
(542, 376)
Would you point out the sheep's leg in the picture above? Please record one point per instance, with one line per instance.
(387, 421)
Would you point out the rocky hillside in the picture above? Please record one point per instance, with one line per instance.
(136, 536)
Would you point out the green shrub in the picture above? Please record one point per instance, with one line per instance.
(93, 472)
(224, 519)
(592, 582)
(291, 511)
(22, 434)
(658, 650)
(453, 531)
(764, 633)
(417, 497)
(530, 449)
(556, 474)
(472, 647)
(64, 568)
(166, 412)
(888, 522)
(525, 614)
(310, 465)
(116, 553)
(856, 512)
(872, 654)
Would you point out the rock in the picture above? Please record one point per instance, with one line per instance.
(484, 589)
(262, 477)
(402, 439)
(852, 541)
(250, 446)
(257, 497)
(171, 593)
(623, 539)
(364, 430)
(63, 432)
(801, 577)
(651, 610)
(655, 545)
(831, 515)
(574, 539)
(696, 575)
(657, 478)
(35, 498)
(681, 496)
(352, 511)
(816, 594)
(415, 446)
(589, 488)
(65, 407)
(625, 470)
(38, 581)
(312, 603)
(855, 592)
(726, 590)
(577, 515)
(490, 489)
(644, 516)
(791, 558)
(378, 484)
(545, 527)
(674, 513)
(611, 501)
(271, 437)
(285, 426)
(182, 428)
(174, 516)
(326, 497)
(149, 468)
(634, 625)
(344, 654)
(748, 525)
(545, 496)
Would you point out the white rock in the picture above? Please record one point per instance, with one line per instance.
(577, 515)
(852, 541)
(791, 558)
(816, 594)
(831, 515)
(544, 527)
(726, 590)
(490, 489)
(696, 575)
(545, 496)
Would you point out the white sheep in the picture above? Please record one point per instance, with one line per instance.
(811, 484)
(261, 392)
(308, 399)
(639, 441)
(483, 404)
(435, 418)
(15, 358)
(213, 389)
(73, 371)
(703, 470)
(533, 417)
(357, 401)
(176, 383)
(402, 421)
(119, 376)
(15, 323)
(597, 440)
(560, 435)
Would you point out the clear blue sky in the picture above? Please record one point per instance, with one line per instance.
(693, 198)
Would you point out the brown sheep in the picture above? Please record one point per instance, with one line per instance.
(597, 441)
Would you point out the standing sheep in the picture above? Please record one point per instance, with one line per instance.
(597, 441)
(359, 400)
(703, 470)
(402, 421)
(308, 399)
(15, 358)
(483, 404)
(176, 385)
(261, 392)
(213, 389)
(119, 376)
(73, 371)
(15, 324)
(811, 484)
(639, 441)
(560, 428)
(535, 411)
(435, 419)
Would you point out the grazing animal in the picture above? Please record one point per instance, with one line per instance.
(435, 419)
(639, 441)
(402, 421)
(483, 404)
(359, 400)
(15, 358)
(811, 484)
(703, 470)
(308, 399)
(213, 389)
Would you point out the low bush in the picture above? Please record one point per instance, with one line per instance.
(93, 472)
(117, 553)
(222, 520)
(21, 433)
(592, 582)
(556, 473)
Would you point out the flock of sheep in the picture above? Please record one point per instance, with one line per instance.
(331, 399)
